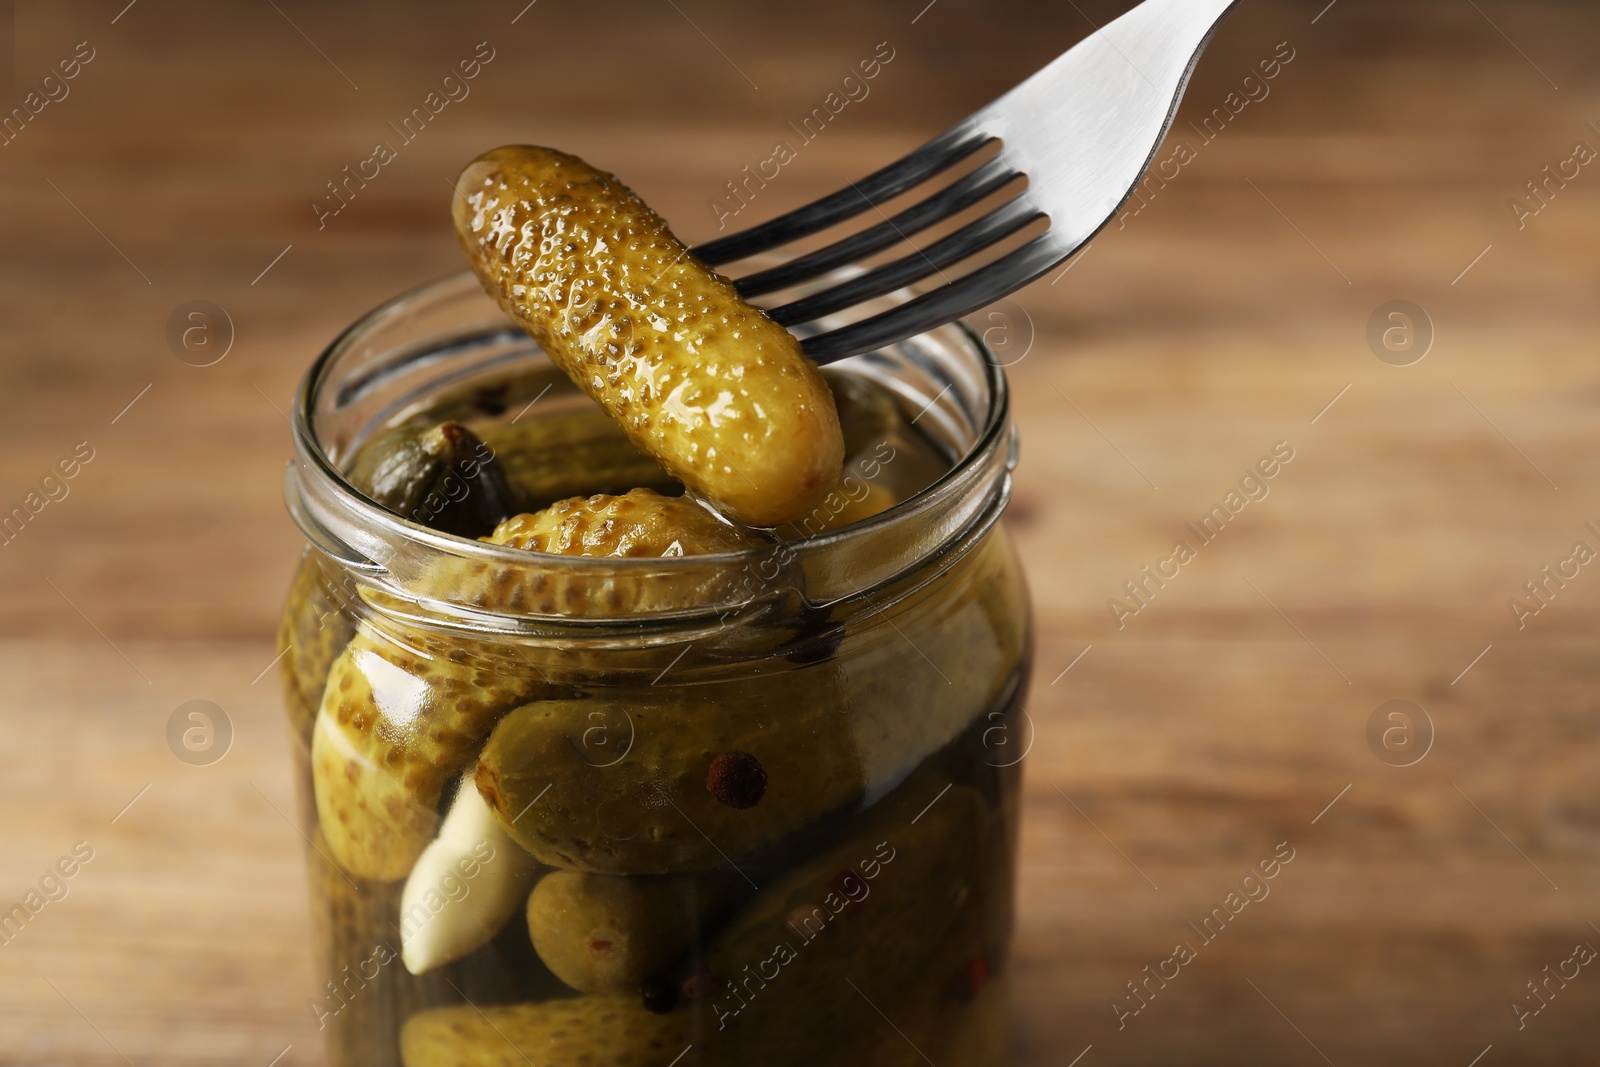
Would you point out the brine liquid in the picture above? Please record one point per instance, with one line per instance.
(948, 935)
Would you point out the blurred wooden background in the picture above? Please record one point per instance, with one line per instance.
(1174, 754)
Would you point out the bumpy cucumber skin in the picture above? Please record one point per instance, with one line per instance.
(717, 392)
(640, 522)
(354, 919)
(379, 775)
(378, 778)
(596, 1031)
(316, 626)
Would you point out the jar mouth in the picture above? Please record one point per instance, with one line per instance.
(448, 332)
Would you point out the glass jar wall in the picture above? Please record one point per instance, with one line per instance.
(751, 807)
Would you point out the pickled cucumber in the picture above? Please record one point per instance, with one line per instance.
(718, 393)
(844, 935)
(580, 452)
(615, 1031)
(440, 476)
(652, 810)
(603, 933)
(317, 625)
(641, 522)
(364, 993)
(399, 720)
(946, 655)
(404, 713)
(595, 1031)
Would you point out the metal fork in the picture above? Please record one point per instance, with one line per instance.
(1083, 130)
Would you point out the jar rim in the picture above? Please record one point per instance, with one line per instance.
(368, 538)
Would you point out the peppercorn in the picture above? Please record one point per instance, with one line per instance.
(737, 779)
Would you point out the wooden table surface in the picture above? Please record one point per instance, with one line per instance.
(1225, 720)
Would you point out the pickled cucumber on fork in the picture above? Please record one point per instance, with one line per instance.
(710, 386)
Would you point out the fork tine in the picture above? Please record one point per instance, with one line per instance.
(944, 304)
(974, 237)
(1083, 130)
(946, 202)
(944, 151)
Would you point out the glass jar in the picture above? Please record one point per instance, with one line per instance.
(750, 808)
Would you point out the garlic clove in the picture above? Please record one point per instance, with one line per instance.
(464, 887)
